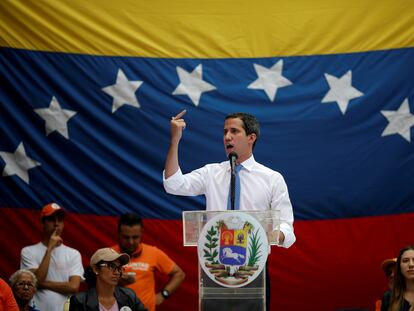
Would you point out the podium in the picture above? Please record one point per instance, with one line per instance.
(232, 250)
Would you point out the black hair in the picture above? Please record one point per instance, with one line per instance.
(90, 277)
(58, 214)
(130, 219)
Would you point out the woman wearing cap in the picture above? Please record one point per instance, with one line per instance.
(107, 296)
(402, 297)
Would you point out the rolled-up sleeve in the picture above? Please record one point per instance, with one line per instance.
(282, 203)
(173, 183)
(290, 237)
(189, 184)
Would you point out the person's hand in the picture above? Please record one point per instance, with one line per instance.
(177, 126)
(128, 278)
(276, 237)
(55, 240)
(159, 299)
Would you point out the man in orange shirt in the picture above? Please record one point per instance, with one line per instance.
(144, 261)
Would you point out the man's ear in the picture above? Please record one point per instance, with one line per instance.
(252, 138)
(95, 269)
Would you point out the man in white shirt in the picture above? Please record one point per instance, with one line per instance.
(261, 187)
(58, 268)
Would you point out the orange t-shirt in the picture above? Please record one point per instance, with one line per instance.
(7, 301)
(144, 262)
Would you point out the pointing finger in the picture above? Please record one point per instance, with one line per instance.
(178, 116)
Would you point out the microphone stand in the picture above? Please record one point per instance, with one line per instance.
(232, 158)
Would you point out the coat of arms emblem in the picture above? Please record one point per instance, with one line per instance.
(232, 249)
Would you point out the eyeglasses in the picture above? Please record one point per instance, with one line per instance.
(24, 284)
(112, 266)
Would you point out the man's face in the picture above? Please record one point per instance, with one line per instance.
(129, 238)
(52, 223)
(236, 140)
(407, 264)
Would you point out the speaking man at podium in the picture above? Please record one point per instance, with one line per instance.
(257, 187)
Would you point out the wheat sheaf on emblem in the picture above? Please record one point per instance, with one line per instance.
(231, 255)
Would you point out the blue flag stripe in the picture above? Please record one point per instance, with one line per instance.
(333, 155)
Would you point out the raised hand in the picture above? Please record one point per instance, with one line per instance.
(177, 125)
(55, 239)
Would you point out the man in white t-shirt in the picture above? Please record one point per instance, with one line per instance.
(57, 267)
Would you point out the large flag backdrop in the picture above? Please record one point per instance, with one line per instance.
(87, 89)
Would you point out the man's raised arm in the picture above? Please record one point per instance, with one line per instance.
(177, 125)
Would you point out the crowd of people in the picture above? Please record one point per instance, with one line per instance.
(116, 276)
(120, 276)
(111, 270)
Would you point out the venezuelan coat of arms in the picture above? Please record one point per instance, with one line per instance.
(232, 249)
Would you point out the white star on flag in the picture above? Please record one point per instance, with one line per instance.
(269, 80)
(18, 163)
(341, 90)
(399, 121)
(192, 84)
(123, 91)
(56, 118)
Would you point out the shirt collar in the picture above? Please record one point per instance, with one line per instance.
(134, 254)
(247, 164)
(137, 251)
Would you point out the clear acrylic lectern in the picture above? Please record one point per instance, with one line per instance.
(216, 297)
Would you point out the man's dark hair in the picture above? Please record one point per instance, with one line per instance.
(58, 214)
(250, 123)
(130, 219)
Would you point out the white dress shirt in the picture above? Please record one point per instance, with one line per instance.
(261, 188)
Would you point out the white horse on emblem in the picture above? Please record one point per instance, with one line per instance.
(228, 253)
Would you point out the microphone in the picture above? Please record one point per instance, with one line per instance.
(232, 158)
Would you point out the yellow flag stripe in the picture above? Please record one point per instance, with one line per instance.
(207, 29)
